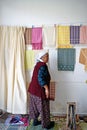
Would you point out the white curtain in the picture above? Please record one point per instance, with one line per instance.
(13, 94)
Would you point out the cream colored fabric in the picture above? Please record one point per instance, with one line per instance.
(48, 36)
(13, 94)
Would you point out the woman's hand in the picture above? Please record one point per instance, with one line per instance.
(46, 91)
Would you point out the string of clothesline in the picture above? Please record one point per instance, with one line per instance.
(41, 25)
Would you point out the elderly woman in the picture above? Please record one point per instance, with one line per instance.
(39, 92)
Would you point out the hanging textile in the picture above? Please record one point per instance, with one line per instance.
(36, 38)
(3, 76)
(13, 94)
(48, 36)
(28, 36)
(52, 91)
(74, 34)
(63, 40)
(29, 59)
(83, 57)
(83, 34)
(66, 59)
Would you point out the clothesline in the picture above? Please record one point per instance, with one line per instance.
(56, 24)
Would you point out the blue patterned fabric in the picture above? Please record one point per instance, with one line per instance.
(42, 76)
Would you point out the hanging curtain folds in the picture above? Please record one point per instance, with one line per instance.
(13, 94)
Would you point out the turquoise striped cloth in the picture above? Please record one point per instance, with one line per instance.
(66, 59)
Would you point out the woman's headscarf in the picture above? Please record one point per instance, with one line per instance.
(42, 53)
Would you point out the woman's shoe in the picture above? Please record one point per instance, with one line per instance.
(52, 123)
(36, 122)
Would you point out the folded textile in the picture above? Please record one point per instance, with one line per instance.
(65, 46)
(16, 120)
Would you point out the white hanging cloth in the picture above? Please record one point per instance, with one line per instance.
(49, 36)
(13, 94)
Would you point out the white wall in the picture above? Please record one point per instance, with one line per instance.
(29, 12)
(70, 86)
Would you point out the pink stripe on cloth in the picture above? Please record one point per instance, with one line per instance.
(37, 38)
(83, 34)
(36, 46)
(52, 91)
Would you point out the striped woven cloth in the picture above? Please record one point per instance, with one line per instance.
(74, 34)
(28, 36)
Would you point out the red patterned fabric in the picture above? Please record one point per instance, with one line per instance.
(52, 91)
